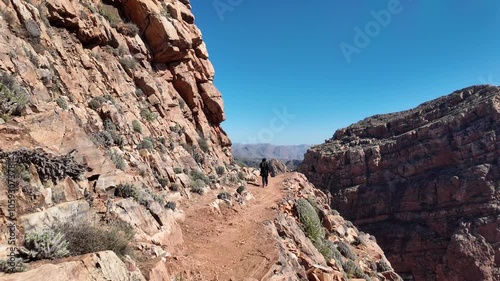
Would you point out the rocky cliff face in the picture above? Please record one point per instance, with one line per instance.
(107, 112)
(425, 182)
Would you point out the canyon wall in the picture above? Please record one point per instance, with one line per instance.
(425, 182)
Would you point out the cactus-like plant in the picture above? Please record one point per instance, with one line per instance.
(46, 244)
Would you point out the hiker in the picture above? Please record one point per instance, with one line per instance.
(264, 172)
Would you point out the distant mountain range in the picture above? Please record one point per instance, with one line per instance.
(265, 150)
(252, 154)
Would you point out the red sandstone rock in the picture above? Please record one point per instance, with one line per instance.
(413, 178)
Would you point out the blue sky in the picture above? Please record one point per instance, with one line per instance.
(285, 79)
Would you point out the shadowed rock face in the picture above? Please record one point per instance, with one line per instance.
(425, 182)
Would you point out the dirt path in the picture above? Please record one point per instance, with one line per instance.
(233, 244)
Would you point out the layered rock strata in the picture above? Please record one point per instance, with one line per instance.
(425, 182)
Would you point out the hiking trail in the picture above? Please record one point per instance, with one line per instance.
(233, 244)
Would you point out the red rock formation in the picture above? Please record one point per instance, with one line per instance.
(425, 182)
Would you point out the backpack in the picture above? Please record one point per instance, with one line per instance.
(264, 168)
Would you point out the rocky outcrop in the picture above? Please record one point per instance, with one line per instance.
(340, 253)
(98, 266)
(97, 96)
(276, 167)
(424, 182)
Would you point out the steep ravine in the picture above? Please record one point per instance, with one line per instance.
(425, 182)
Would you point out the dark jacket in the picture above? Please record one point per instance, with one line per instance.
(264, 169)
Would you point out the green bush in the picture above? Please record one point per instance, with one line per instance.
(96, 102)
(220, 170)
(202, 142)
(241, 176)
(46, 244)
(198, 175)
(17, 266)
(103, 138)
(240, 189)
(311, 223)
(329, 251)
(174, 187)
(354, 271)
(177, 170)
(146, 143)
(197, 186)
(110, 13)
(117, 160)
(345, 250)
(382, 266)
(171, 205)
(148, 115)
(61, 102)
(129, 64)
(85, 237)
(163, 182)
(13, 98)
(137, 126)
(127, 191)
(224, 196)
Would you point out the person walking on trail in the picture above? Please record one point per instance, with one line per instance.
(264, 172)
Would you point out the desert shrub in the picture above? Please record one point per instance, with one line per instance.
(382, 266)
(61, 102)
(139, 92)
(96, 102)
(85, 237)
(354, 271)
(146, 143)
(224, 196)
(21, 172)
(103, 138)
(163, 182)
(46, 244)
(148, 115)
(198, 175)
(174, 187)
(110, 13)
(220, 170)
(345, 250)
(358, 240)
(240, 189)
(17, 265)
(117, 160)
(127, 191)
(177, 170)
(175, 128)
(171, 205)
(128, 29)
(13, 98)
(197, 186)
(202, 142)
(158, 198)
(128, 63)
(137, 126)
(329, 251)
(311, 223)
(241, 176)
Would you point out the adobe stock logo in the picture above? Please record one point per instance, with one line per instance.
(223, 6)
(488, 80)
(363, 37)
(276, 125)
